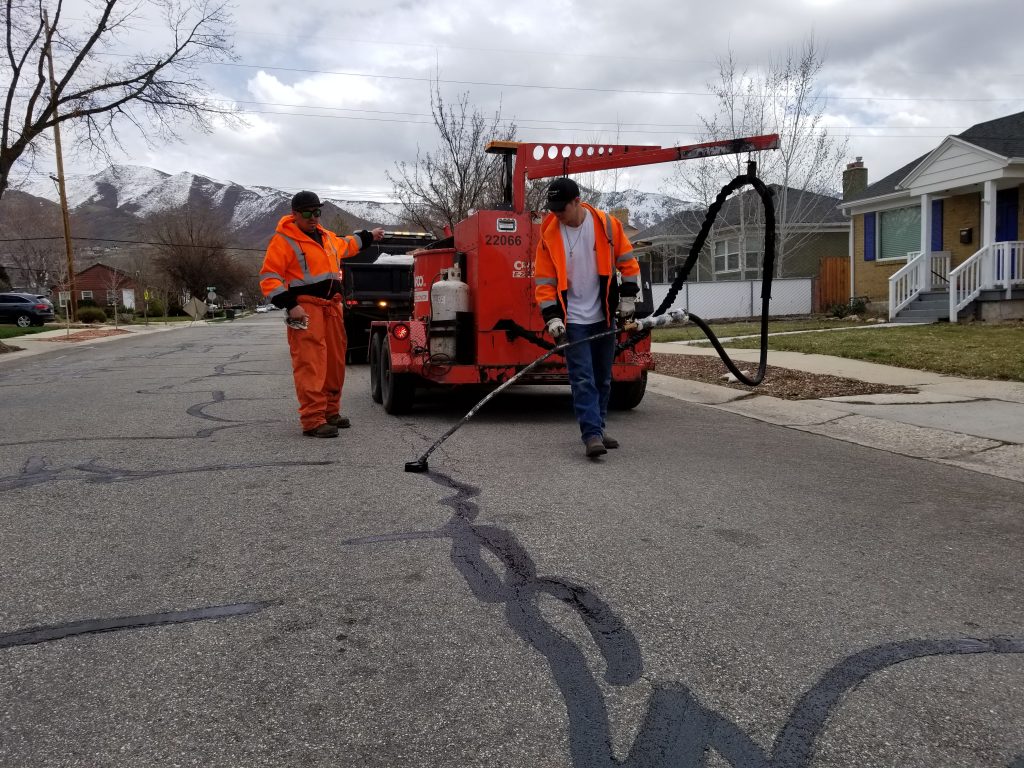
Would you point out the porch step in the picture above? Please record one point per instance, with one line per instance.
(916, 316)
(928, 307)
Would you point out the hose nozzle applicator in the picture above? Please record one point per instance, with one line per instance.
(672, 317)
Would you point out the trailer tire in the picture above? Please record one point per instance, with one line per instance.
(375, 347)
(627, 394)
(397, 390)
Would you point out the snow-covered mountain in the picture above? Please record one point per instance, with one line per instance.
(645, 208)
(121, 197)
(249, 211)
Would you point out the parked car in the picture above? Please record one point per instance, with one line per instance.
(25, 309)
(265, 307)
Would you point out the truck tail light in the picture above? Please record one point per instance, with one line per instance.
(350, 302)
(400, 331)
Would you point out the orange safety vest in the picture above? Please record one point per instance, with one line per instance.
(612, 250)
(295, 259)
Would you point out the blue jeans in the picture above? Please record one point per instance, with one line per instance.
(590, 376)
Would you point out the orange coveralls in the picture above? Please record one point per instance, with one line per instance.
(298, 270)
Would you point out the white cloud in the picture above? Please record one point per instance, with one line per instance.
(899, 77)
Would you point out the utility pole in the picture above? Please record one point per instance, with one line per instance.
(72, 308)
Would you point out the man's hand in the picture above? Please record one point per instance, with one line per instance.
(297, 318)
(627, 307)
(556, 329)
(377, 233)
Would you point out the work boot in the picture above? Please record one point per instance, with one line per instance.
(595, 447)
(339, 421)
(324, 430)
(609, 441)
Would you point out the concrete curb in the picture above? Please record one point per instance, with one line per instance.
(836, 419)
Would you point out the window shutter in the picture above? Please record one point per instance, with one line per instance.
(936, 225)
(869, 237)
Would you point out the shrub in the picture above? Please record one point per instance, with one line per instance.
(856, 306)
(91, 315)
(155, 308)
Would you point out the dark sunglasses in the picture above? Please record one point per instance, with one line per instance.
(315, 213)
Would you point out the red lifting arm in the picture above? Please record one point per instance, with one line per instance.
(541, 161)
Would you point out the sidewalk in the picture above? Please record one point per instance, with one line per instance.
(968, 423)
(61, 340)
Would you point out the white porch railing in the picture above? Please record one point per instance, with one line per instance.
(1000, 265)
(922, 272)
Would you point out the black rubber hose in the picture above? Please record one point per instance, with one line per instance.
(767, 270)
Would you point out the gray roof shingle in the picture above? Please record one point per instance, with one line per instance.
(1004, 136)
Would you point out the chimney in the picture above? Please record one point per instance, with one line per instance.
(622, 214)
(855, 178)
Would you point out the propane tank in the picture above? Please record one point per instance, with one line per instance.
(448, 296)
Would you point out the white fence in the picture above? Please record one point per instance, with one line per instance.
(740, 298)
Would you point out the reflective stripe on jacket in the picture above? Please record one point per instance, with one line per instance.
(294, 259)
(612, 251)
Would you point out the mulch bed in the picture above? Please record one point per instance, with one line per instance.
(778, 382)
(96, 333)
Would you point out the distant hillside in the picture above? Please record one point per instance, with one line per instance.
(120, 202)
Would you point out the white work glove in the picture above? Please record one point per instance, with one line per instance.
(556, 328)
(627, 307)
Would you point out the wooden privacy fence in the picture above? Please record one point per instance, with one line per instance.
(832, 285)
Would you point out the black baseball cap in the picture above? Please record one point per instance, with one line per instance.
(560, 193)
(304, 200)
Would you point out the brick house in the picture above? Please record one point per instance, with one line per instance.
(104, 286)
(943, 236)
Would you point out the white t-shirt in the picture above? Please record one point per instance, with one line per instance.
(584, 296)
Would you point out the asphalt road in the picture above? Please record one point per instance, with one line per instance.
(187, 581)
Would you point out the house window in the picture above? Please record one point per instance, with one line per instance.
(899, 232)
(111, 298)
(727, 256)
(753, 256)
(86, 295)
(63, 298)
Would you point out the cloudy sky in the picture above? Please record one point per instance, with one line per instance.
(334, 93)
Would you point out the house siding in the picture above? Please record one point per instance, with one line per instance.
(871, 279)
(805, 259)
(98, 279)
(960, 212)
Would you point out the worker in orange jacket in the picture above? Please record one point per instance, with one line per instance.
(301, 273)
(580, 250)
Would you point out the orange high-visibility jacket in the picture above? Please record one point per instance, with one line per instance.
(295, 260)
(612, 250)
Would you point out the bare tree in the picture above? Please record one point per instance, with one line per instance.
(193, 253)
(97, 88)
(782, 99)
(443, 186)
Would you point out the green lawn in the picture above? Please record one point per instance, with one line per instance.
(11, 331)
(973, 350)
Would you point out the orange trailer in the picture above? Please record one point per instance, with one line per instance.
(475, 319)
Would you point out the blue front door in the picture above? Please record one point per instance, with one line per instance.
(1006, 226)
